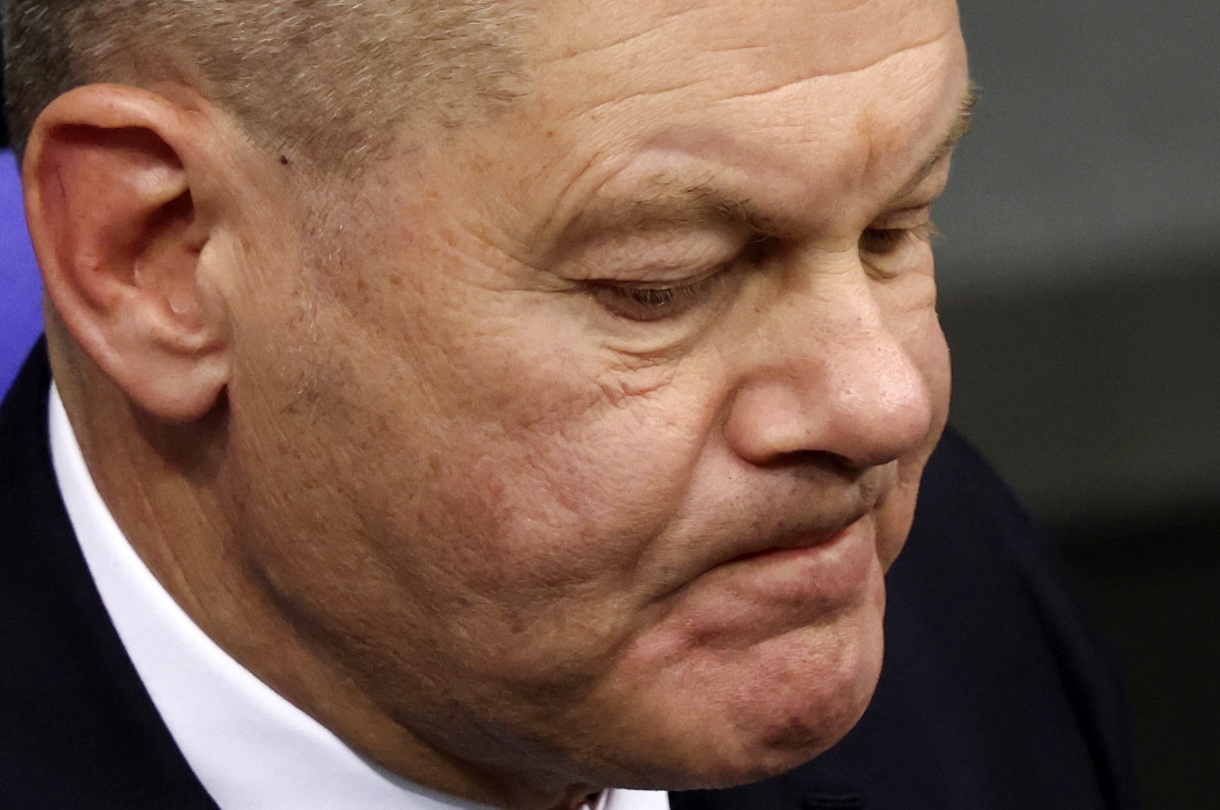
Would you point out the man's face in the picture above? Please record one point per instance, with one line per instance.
(584, 452)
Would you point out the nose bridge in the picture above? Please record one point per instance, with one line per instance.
(828, 374)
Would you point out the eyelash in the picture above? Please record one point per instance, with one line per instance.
(654, 303)
(882, 241)
(649, 303)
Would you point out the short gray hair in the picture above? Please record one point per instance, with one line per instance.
(329, 81)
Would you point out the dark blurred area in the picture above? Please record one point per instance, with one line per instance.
(1081, 295)
(1080, 278)
(3, 123)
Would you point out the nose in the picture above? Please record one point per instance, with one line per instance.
(828, 373)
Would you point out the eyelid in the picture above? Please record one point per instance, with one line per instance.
(625, 298)
(662, 257)
(906, 219)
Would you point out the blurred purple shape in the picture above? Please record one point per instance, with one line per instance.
(20, 283)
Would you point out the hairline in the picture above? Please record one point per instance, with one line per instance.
(437, 68)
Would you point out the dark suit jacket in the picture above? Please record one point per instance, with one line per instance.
(994, 694)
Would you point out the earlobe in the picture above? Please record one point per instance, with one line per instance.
(118, 235)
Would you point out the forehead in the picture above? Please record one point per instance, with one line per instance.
(661, 47)
(779, 88)
(807, 102)
(826, 36)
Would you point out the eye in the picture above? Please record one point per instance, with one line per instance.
(884, 241)
(648, 302)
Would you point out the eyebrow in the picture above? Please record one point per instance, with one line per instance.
(677, 201)
(959, 130)
(686, 200)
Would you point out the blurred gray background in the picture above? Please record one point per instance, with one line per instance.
(1080, 289)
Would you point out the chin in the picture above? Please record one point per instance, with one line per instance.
(753, 755)
(774, 708)
(776, 747)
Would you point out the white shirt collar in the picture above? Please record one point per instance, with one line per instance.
(250, 748)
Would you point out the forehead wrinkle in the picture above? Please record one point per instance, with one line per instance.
(837, 73)
(670, 52)
(702, 195)
(667, 82)
(753, 197)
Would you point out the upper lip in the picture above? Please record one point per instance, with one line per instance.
(799, 536)
(811, 522)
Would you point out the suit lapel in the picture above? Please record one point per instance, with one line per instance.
(77, 728)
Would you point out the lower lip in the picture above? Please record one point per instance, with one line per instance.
(761, 596)
(830, 572)
(793, 551)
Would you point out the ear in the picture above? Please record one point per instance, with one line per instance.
(118, 234)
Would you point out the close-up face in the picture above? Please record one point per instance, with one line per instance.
(588, 440)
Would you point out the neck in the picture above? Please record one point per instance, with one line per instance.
(165, 487)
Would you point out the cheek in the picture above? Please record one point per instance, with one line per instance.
(910, 307)
(513, 452)
(526, 534)
(932, 353)
(577, 477)
(918, 328)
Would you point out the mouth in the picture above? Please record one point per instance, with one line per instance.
(834, 557)
(796, 543)
(794, 580)
(806, 555)
(802, 522)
